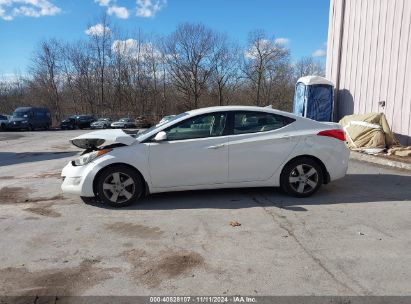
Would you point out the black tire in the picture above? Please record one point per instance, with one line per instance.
(3, 126)
(47, 127)
(30, 127)
(119, 186)
(89, 200)
(301, 177)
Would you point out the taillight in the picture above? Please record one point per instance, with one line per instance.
(337, 133)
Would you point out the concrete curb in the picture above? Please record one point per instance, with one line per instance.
(380, 160)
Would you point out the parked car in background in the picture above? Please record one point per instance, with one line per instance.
(4, 120)
(209, 148)
(68, 123)
(77, 122)
(142, 122)
(124, 123)
(101, 123)
(30, 118)
(85, 121)
(166, 118)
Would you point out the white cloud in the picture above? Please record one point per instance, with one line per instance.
(319, 53)
(103, 2)
(120, 12)
(149, 8)
(264, 46)
(282, 41)
(131, 48)
(97, 30)
(9, 9)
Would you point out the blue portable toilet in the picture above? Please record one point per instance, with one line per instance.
(314, 98)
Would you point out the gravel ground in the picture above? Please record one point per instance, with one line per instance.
(351, 238)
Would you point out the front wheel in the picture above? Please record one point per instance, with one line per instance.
(301, 177)
(119, 186)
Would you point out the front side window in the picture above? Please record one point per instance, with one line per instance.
(208, 125)
(253, 122)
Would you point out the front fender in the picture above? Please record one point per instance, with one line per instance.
(84, 175)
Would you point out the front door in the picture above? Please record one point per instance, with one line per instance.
(195, 153)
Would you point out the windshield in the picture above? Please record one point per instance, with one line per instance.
(20, 114)
(160, 124)
(124, 119)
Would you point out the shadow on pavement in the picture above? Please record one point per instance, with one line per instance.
(13, 158)
(354, 188)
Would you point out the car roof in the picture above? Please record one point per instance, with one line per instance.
(223, 109)
(240, 108)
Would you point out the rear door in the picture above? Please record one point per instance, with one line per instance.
(259, 143)
(195, 153)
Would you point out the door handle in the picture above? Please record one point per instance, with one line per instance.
(216, 146)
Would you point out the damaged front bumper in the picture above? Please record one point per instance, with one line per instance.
(77, 180)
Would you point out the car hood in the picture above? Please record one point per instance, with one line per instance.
(98, 138)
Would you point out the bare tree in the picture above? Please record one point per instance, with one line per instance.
(226, 66)
(308, 66)
(100, 43)
(116, 74)
(46, 76)
(190, 60)
(262, 58)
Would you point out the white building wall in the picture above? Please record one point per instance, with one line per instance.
(369, 59)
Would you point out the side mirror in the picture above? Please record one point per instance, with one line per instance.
(160, 136)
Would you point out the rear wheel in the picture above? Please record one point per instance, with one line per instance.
(119, 186)
(301, 177)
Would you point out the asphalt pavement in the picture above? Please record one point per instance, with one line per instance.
(352, 238)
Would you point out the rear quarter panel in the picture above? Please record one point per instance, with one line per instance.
(333, 153)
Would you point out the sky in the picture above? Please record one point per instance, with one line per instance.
(301, 25)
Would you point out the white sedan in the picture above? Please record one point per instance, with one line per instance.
(209, 148)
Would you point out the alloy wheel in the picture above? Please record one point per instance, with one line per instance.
(119, 187)
(303, 178)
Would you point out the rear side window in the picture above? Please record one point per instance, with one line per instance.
(253, 122)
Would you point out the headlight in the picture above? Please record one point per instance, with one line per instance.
(89, 157)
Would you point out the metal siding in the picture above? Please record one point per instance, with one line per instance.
(350, 18)
(380, 56)
(344, 60)
(375, 62)
(392, 102)
(406, 92)
(356, 47)
(372, 56)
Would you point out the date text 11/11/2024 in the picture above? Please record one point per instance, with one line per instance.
(203, 299)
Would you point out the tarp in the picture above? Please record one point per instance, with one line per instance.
(371, 133)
